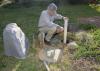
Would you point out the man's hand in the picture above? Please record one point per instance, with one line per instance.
(59, 29)
(65, 18)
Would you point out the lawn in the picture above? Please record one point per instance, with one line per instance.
(27, 19)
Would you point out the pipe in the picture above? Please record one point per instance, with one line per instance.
(46, 65)
(65, 31)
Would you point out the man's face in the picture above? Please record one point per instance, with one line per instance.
(51, 12)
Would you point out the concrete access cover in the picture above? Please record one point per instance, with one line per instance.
(50, 54)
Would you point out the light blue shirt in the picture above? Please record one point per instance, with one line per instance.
(46, 20)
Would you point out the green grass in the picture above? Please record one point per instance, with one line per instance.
(27, 19)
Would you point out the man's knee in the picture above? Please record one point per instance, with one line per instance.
(59, 29)
(53, 29)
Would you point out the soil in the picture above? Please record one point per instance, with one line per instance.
(68, 63)
(90, 20)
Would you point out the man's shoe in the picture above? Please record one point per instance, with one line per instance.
(54, 35)
(66, 41)
(47, 42)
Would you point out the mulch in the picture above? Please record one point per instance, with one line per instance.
(90, 20)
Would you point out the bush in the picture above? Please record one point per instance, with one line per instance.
(87, 26)
(11, 3)
(78, 1)
(96, 36)
(89, 47)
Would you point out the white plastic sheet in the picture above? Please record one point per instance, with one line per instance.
(15, 42)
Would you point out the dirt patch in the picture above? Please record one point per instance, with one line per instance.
(90, 20)
(73, 27)
(67, 62)
(85, 65)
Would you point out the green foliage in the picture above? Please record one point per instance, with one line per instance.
(96, 36)
(78, 1)
(87, 26)
(90, 48)
(96, 5)
(98, 1)
(27, 20)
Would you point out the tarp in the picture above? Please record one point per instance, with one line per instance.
(15, 42)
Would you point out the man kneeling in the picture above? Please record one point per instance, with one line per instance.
(46, 24)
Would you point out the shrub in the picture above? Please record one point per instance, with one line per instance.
(79, 1)
(87, 26)
(96, 36)
(89, 47)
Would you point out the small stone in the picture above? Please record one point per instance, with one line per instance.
(72, 46)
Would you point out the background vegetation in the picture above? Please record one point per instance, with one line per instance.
(26, 14)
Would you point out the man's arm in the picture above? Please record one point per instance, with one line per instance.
(46, 20)
(58, 16)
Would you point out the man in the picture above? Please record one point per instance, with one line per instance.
(46, 24)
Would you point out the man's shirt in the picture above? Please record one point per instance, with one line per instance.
(46, 20)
